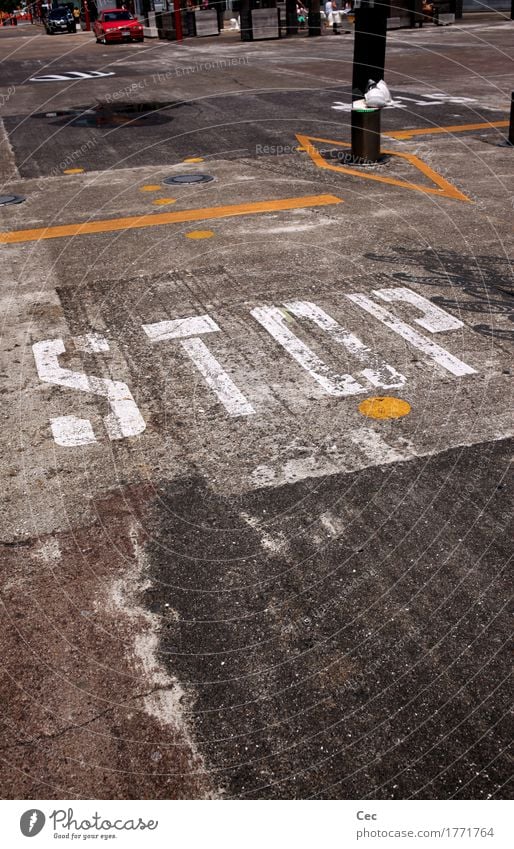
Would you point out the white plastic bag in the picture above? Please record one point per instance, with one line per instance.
(378, 96)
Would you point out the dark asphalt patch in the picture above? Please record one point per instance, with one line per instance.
(222, 126)
(107, 115)
(343, 637)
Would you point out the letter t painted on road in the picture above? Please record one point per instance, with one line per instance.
(188, 330)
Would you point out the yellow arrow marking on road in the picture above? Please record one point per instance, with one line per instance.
(138, 221)
(444, 188)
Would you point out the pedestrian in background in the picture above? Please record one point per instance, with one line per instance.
(328, 14)
(336, 18)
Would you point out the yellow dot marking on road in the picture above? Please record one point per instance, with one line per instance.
(384, 407)
(73, 171)
(163, 201)
(199, 234)
(194, 159)
(149, 188)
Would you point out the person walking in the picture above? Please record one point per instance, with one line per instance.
(328, 14)
(336, 18)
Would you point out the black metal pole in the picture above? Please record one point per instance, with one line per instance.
(245, 20)
(368, 64)
(291, 17)
(369, 44)
(511, 123)
(314, 18)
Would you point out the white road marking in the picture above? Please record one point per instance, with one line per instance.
(375, 448)
(71, 431)
(68, 76)
(216, 377)
(435, 319)
(402, 100)
(213, 373)
(380, 373)
(272, 319)
(91, 343)
(426, 346)
(180, 328)
(124, 420)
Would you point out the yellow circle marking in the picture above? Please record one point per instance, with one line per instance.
(194, 159)
(73, 171)
(199, 234)
(149, 188)
(384, 407)
(163, 201)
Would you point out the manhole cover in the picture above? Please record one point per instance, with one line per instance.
(7, 199)
(188, 178)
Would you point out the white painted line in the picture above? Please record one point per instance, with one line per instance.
(272, 319)
(375, 448)
(401, 101)
(69, 76)
(124, 420)
(215, 376)
(91, 343)
(70, 431)
(180, 328)
(377, 371)
(431, 349)
(435, 319)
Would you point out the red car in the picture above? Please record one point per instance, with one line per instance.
(117, 25)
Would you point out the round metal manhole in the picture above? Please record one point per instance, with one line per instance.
(5, 200)
(187, 178)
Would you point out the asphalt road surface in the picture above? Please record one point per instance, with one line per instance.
(256, 427)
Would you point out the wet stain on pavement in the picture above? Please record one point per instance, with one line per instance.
(108, 115)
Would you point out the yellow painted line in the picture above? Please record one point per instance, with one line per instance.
(73, 171)
(385, 407)
(150, 188)
(455, 128)
(200, 234)
(163, 201)
(194, 159)
(444, 188)
(138, 221)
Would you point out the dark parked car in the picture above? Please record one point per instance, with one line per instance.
(60, 19)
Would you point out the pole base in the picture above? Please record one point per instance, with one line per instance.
(366, 134)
